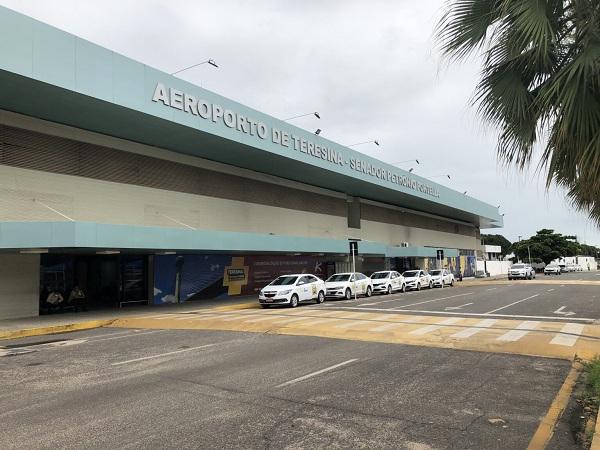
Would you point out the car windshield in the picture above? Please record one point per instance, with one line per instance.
(435, 272)
(518, 266)
(379, 275)
(283, 281)
(341, 277)
(410, 273)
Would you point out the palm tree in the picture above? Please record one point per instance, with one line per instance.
(540, 83)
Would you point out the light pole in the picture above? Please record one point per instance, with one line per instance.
(354, 249)
(208, 61)
(316, 114)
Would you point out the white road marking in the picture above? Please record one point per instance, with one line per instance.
(491, 289)
(513, 303)
(521, 330)
(568, 335)
(564, 313)
(163, 354)
(550, 290)
(429, 301)
(449, 308)
(479, 326)
(318, 372)
(454, 313)
(430, 328)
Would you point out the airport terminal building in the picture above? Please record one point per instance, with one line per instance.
(140, 187)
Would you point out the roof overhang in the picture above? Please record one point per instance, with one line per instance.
(52, 75)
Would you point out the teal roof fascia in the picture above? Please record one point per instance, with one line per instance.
(68, 235)
(56, 76)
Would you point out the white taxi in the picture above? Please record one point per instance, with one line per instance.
(345, 285)
(417, 279)
(387, 281)
(291, 290)
(442, 277)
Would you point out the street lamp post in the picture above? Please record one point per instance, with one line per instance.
(376, 142)
(314, 113)
(210, 62)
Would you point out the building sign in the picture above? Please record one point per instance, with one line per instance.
(205, 110)
(236, 274)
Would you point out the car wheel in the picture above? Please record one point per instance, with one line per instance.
(403, 288)
(431, 285)
(418, 286)
(294, 301)
(452, 283)
(348, 294)
(389, 290)
(320, 297)
(509, 279)
(369, 291)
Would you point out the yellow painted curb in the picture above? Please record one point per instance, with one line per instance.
(596, 439)
(234, 307)
(40, 331)
(545, 430)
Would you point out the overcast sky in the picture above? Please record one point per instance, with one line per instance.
(369, 68)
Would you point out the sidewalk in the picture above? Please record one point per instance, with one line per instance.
(71, 321)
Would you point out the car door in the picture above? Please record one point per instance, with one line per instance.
(424, 279)
(314, 287)
(394, 281)
(364, 283)
(304, 288)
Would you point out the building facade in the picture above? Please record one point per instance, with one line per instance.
(140, 187)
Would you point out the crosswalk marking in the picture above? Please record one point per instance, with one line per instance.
(521, 330)
(430, 328)
(572, 332)
(195, 319)
(233, 317)
(261, 318)
(387, 326)
(351, 324)
(479, 326)
(319, 321)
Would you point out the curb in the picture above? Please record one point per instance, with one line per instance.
(14, 334)
(546, 427)
(596, 439)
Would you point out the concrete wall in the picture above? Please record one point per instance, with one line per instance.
(19, 285)
(494, 267)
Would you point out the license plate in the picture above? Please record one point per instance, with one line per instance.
(269, 300)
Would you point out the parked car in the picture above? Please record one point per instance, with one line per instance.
(520, 270)
(552, 269)
(442, 277)
(417, 279)
(292, 290)
(345, 285)
(387, 281)
(571, 268)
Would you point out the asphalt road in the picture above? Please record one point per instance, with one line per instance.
(517, 299)
(115, 388)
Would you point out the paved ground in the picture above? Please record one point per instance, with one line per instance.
(122, 388)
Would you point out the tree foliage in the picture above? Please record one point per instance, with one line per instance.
(497, 239)
(540, 83)
(546, 246)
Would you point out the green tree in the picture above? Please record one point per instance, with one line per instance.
(539, 85)
(546, 246)
(497, 239)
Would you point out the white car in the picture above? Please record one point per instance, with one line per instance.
(292, 290)
(552, 269)
(345, 285)
(387, 281)
(442, 277)
(520, 270)
(417, 279)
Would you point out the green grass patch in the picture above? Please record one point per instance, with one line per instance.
(592, 388)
